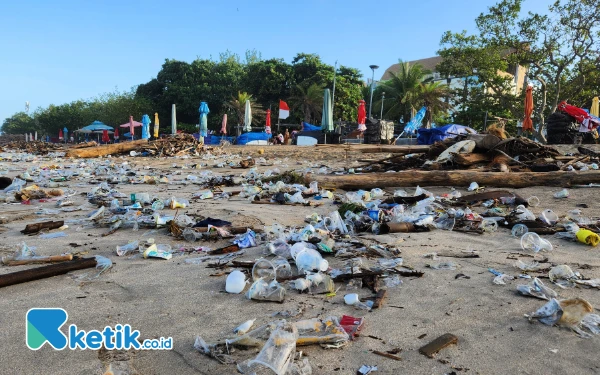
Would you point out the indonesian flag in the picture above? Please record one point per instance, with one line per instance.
(284, 110)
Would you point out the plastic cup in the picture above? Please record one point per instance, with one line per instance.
(533, 201)
(518, 230)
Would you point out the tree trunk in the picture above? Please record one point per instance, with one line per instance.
(455, 178)
(113, 149)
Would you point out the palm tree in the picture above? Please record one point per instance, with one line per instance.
(399, 88)
(238, 105)
(432, 95)
(309, 100)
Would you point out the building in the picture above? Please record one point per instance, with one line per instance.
(517, 73)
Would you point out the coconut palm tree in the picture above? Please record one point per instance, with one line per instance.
(238, 105)
(432, 95)
(398, 88)
(309, 100)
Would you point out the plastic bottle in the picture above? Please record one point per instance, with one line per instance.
(235, 283)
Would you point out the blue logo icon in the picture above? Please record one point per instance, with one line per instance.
(43, 325)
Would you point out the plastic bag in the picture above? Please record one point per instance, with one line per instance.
(537, 289)
(276, 354)
(236, 282)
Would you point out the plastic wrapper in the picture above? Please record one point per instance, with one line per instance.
(246, 240)
(537, 289)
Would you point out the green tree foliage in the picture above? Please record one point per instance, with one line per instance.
(215, 81)
(561, 49)
(111, 108)
(19, 123)
(308, 101)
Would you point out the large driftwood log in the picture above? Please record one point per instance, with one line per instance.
(46, 271)
(418, 149)
(455, 178)
(113, 149)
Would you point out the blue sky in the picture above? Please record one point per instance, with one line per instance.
(58, 51)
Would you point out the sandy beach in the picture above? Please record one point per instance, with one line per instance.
(169, 298)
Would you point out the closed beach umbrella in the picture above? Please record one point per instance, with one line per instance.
(145, 127)
(203, 119)
(224, 124)
(527, 123)
(327, 117)
(362, 116)
(595, 110)
(105, 136)
(131, 130)
(60, 134)
(156, 125)
(116, 134)
(248, 117)
(268, 122)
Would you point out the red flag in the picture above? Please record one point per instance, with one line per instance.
(284, 110)
(105, 136)
(116, 134)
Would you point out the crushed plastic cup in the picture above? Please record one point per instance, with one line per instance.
(473, 186)
(129, 248)
(263, 291)
(263, 269)
(549, 217)
(175, 203)
(564, 193)
(518, 230)
(236, 282)
(443, 266)
(531, 241)
(489, 225)
(158, 205)
(537, 289)
(190, 235)
(301, 284)
(310, 260)
(533, 201)
(282, 267)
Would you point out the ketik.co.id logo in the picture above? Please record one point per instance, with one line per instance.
(43, 325)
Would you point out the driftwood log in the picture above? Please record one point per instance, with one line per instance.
(38, 273)
(455, 178)
(112, 149)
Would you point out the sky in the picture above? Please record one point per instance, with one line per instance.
(54, 52)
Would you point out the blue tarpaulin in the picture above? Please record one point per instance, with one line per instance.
(249, 137)
(310, 128)
(216, 139)
(430, 136)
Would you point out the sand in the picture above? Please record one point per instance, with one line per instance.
(171, 298)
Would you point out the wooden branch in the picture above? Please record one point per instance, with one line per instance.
(46, 271)
(34, 260)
